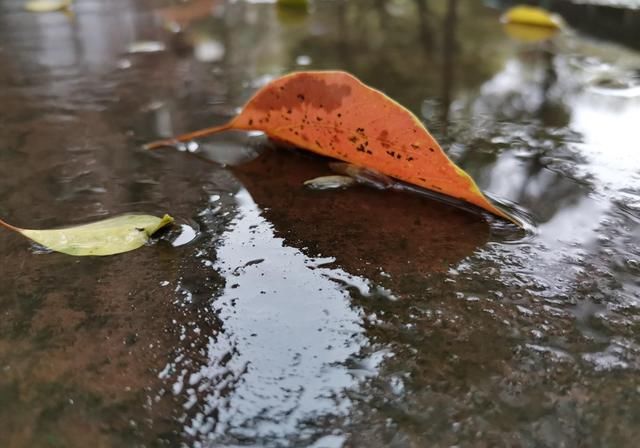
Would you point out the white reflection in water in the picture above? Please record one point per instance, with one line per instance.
(570, 155)
(186, 235)
(609, 128)
(288, 328)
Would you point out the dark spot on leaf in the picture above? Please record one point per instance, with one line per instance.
(431, 149)
(383, 138)
(353, 139)
(250, 122)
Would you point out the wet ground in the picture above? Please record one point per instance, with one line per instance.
(273, 316)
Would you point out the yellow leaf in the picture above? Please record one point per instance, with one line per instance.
(110, 236)
(532, 16)
(47, 5)
(528, 33)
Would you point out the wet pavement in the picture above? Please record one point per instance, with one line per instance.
(272, 315)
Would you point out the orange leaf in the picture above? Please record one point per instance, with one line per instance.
(334, 114)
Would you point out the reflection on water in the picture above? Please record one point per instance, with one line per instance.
(277, 316)
(287, 331)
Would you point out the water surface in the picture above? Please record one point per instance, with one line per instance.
(271, 315)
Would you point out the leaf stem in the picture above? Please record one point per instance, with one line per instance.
(189, 136)
(9, 226)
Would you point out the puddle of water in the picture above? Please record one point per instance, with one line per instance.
(272, 315)
(278, 360)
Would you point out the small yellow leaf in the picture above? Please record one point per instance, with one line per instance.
(532, 16)
(107, 237)
(47, 5)
(528, 33)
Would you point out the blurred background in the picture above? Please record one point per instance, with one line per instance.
(272, 316)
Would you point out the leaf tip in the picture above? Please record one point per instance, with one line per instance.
(166, 219)
(163, 222)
